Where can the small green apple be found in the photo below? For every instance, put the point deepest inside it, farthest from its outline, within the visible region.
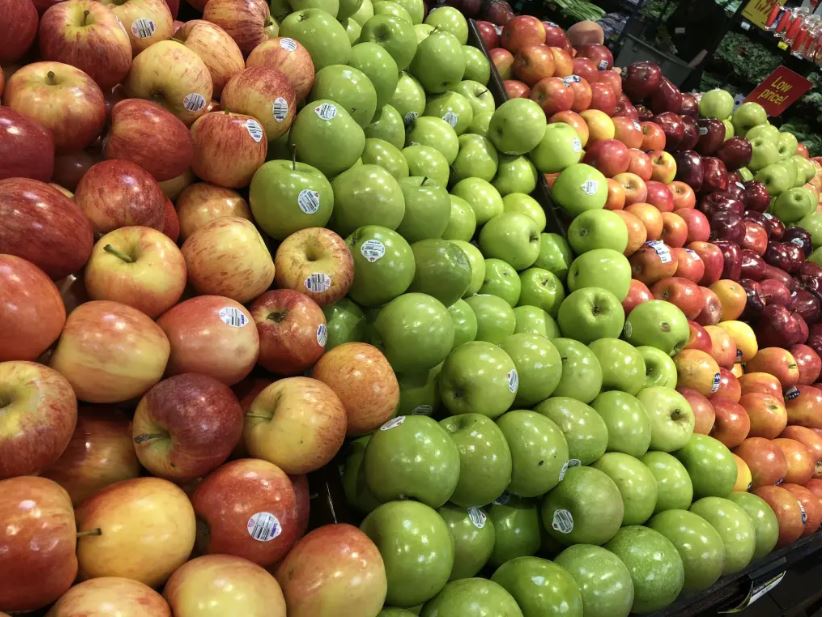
(473, 536)
(512, 237)
(395, 35)
(441, 270)
(476, 265)
(526, 205)
(787, 144)
(384, 265)
(409, 98)
(419, 392)
(815, 256)
(451, 20)
(710, 464)
(480, 122)
(434, 132)
(598, 229)
(379, 66)
(581, 375)
(638, 487)
(748, 115)
(349, 87)
(427, 209)
(366, 195)
(478, 95)
(763, 130)
(764, 152)
(542, 289)
(320, 33)
(388, 125)
(517, 126)
(590, 313)
(485, 200)
(805, 168)
(628, 424)
(674, 484)
(622, 365)
(501, 279)
(472, 597)
(793, 205)
(477, 65)
(660, 368)
(538, 364)
(533, 320)
(478, 377)
(516, 174)
(580, 187)
(461, 219)
(734, 526)
(603, 580)
(330, 6)
(657, 323)
(439, 61)
(671, 418)
(388, 7)
(422, 31)
(716, 103)
(476, 158)
(584, 430)
(453, 108)
(540, 587)
(465, 322)
(601, 267)
(517, 526)
(427, 162)
(496, 319)
(363, 14)
(326, 136)
(763, 519)
(555, 255)
(382, 153)
(345, 322)
(559, 148)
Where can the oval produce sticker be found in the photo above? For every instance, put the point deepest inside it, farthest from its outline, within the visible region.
(263, 526)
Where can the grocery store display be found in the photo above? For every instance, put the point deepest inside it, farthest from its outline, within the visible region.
(557, 343)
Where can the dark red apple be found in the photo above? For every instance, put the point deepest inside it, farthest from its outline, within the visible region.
(673, 128)
(640, 79)
(711, 134)
(715, 174)
(720, 201)
(585, 67)
(806, 304)
(727, 226)
(755, 299)
(625, 108)
(26, 147)
(732, 259)
(689, 105)
(752, 265)
(665, 97)
(689, 168)
(809, 275)
(756, 196)
(555, 36)
(778, 328)
(713, 259)
(800, 237)
(690, 138)
(808, 361)
(735, 152)
(755, 237)
(774, 226)
(784, 255)
(600, 54)
(774, 291)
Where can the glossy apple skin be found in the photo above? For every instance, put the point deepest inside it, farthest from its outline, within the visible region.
(516, 89)
(702, 408)
(26, 147)
(788, 511)
(729, 388)
(638, 294)
(216, 48)
(522, 31)
(18, 29)
(809, 363)
(665, 97)
(97, 596)
(553, 94)
(768, 415)
(246, 21)
(640, 79)
(765, 459)
(38, 563)
(777, 326)
(699, 338)
(804, 408)
(226, 151)
(800, 461)
(200, 203)
(811, 504)
(731, 423)
(675, 232)
(43, 226)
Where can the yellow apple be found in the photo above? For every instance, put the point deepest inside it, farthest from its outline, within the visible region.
(745, 341)
(600, 124)
(109, 595)
(201, 203)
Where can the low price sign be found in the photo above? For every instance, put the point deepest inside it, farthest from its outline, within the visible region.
(779, 90)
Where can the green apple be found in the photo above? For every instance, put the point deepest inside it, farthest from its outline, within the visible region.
(476, 158)
(476, 265)
(387, 7)
(279, 9)
(533, 320)
(485, 459)
(326, 136)
(516, 174)
(395, 35)
(734, 526)
(601, 267)
(353, 477)
(379, 66)
(477, 94)
(501, 279)
(434, 132)
(763, 519)
(485, 200)
(384, 265)
(598, 229)
(412, 457)
(542, 289)
(512, 237)
(654, 565)
(559, 148)
(674, 484)
(710, 464)
(353, 30)
(538, 364)
(382, 153)
(441, 270)
(657, 323)
(388, 125)
(815, 256)
(697, 542)
(581, 375)
(793, 204)
(419, 392)
(496, 319)
(345, 322)
(517, 126)
(453, 108)
(363, 14)
(639, 490)
(427, 162)
(348, 8)
(805, 169)
(526, 205)
(764, 152)
(414, 331)
(603, 580)
(427, 209)
(812, 223)
(776, 177)
(622, 365)
(762, 130)
(422, 31)
(465, 322)
(416, 547)
(451, 20)
(729, 129)
(472, 597)
(478, 377)
(578, 188)
(477, 64)
(746, 174)
(628, 423)
(590, 313)
(540, 587)
(584, 430)
(748, 115)
(569, 513)
(279, 148)
(473, 536)
(716, 103)
(480, 121)
(330, 6)
(286, 196)
(671, 418)
(320, 33)
(517, 528)
(461, 224)
(660, 368)
(787, 144)
(555, 255)
(366, 195)
(409, 98)
(439, 61)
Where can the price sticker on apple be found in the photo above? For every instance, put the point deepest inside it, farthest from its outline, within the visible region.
(451, 118)
(280, 109)
(573, 462)
(576, 145)
(662, 250)
(502, 499)
(792, 394)
(562, 521)
(143, 27)
(232, 316)
(512, 380)
(194, 101)
(589, 187)
(326, 111)
(308, 201)
(254, 129)
(477, 516)
(288, 44)
(372, 250)
(716, 383)
(263, 526)
(322, 335)
(318, 282)
(393, 423)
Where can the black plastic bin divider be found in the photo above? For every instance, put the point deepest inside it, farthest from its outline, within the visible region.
(541, 193)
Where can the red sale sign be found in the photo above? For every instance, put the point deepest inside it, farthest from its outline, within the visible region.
(779, 90)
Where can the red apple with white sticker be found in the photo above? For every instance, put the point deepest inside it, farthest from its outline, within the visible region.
(248, 22)
(264, 93)
(215, 47)
(290, 58)
(146, 21)
(228, 148)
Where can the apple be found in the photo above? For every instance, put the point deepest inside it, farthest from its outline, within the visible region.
(580, 187)
(800, 462)
(582, 91)
(267, 95)
(473, 536)
(610, 156)
(659, 324)
(604, 582)
(653, 222)
(732, 424)
(581, 375)
(559, 148)
(534, 441)
(503, 60)
(638, 293)
(811, 507)
(766, 383)
(248, 22)
(129, 597)
(28, 149)
(384, 265)
(291, 58)
(478, 377)
(537, 585)
(145, 21)
(723, 347)
(802, 406)
(636, 483)
(735, 527)
(585, 431)
(627, 421)
(228, 148)
(710, 465)
(763, 518)
(522, 31)
(366, 184)
(673, 481)
(590, 313)
(461, 595)
(219, 51)
(788, 510)
(517, 526)
(18, 39)
(532, 320)
(809, 438)
(554, 95)
(621, 364)
(495, 317)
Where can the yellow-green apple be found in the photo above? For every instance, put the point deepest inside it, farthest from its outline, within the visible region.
(364, 381)
(215, 47)
(89, 36)
(145, 21)
(172, 188)
(111, 595)
(39, 412)
(224, 585)
(99, 453)
(145, 133)
(228, 148)
(334, 570)
(117, 193)
(185, 426)
(248, 508)
(635, 189)
(248, 22)
(110, 352)
(292, 331)
(173, 75)
(27, 150)
(663, 166)
(600, 125)
(143, 529)
(32, 308)
(38, 562)
(137, 266)
(290, 58)
(265, 93)
(61, 98)
(201, 202)
(19, 31)
(317, 262)
(211, 335)
(228, 257)
(297, 423)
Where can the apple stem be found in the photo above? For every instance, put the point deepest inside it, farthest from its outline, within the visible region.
(50, 78)
(85, 17)
(277, 316)
(425, 178)
(147, 437)
(91, 532)
(110, 249)
(294, 159)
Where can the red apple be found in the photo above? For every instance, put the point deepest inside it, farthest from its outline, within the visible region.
(690, 265)
(17, 31)
(129, 598)
(765, 460)
(768, 416)
(635, 190)
(682, 195)
(575, 121)
(787, 510)
(516, 89)
(650, 217)
(611, 157)
(711, 312)
(145, 21)
(604, 98)
(628, 131)
(613, 80)
(702, 409)
(659, 195)
(698, 227)
(599, 53)
(553, 94)
(502, 59)
(171, 222)
(263, 93)
(713, 260)
(216, 48)
(723, 345)
(814, 486)
(201, 203)
(809, 363)
(775, 361)
(699, 338)
(800, 461)
(804, 407)
(533, 63)
(522, 31)
(248, 22)
(292, 331)
(665, 97)
(69, 167)
(731, 423)
(563, 62)
(582, 90)
(675, 231)
(555, 36)
(228, 148)
(641, 79)
(27, 148)
(489, 34)
(809, 438)
(654, 137)
(638, 294)
(652, 262)
(640, 164)
(810, 506)
(681, 292)
(584, 67)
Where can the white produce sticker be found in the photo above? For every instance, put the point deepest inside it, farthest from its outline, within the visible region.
(410, 117)
(322, 335)
(326, 111)
(562, 521)
(628, 329)
(393, 423)
(451, 118)
(703, 130)
(318, 282)
(254, 129)
(308, 201)
(477, 516)
(576, 145)
(280, 109)
(571, 79)
(589, 187)
(194, 101)
(143, 27)
(716, 383)
(662, 250)
(502, 499)
(263, 526)
(232, 316)
(512, 379)
(288, 44)
(602, 65)
(372, 250)
(573, 462)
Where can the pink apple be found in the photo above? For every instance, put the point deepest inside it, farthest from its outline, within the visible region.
(610, 157)
(228, 148)
(604, 97)
(146, 21)
(628, 131)
(200, 203)
(516, 89)
(638, 294)
(129, 598)
(290, 58)
(489, 34)
(264, 93)
(690, 265)
(215, 47)
(17, 30)
(659, 195)
(247, 21)
(640, 164)
(682, 195)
